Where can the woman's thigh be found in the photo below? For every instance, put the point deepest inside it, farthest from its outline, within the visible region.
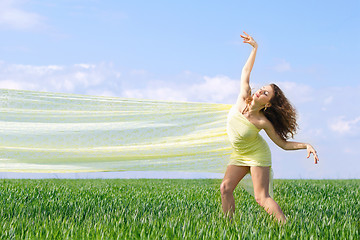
(260, 177)
(234, 174)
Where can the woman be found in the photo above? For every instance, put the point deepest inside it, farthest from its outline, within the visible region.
(266, 109)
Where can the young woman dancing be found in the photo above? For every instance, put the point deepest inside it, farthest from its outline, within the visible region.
(267, 109)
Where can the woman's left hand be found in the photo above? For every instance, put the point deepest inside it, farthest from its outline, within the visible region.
(248, 39)
(310, 150)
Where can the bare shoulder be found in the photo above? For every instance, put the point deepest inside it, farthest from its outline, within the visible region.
(264, 123)
(240, 104)
(245, 92)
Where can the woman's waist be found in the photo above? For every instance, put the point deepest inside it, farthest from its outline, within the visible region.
(248, 145)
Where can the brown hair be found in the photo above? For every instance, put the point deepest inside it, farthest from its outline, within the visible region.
(281, 113)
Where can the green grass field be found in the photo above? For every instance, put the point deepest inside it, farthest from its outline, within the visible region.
(173, 209)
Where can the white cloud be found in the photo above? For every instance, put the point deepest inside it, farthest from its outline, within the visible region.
(138, 72)
(328, 100)
(84, 65)
(13, 17)
(34, 70)
(215, 89)
(95, 92)
(297, 92)
(282, 66)
(340, 125)
(220, 89)
(10, 84)
(78, 78)
(161, 93)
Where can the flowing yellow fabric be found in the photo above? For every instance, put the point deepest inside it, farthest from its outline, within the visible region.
(56, 132)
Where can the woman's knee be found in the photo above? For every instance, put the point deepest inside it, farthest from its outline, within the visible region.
(226, 188)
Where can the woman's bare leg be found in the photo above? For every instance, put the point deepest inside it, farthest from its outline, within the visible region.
(232, 177)
(260, 178)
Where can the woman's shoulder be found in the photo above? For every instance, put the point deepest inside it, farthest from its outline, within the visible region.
(240, 106)
(241, 102)
(264, 123)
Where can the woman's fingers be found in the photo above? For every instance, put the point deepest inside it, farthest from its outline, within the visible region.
(310, 150)
(247, 35)
(316, 158)
(248, 39)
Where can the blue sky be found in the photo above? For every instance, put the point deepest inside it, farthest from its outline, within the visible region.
(192, 51)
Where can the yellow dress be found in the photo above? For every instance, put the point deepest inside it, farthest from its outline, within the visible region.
(249, 148)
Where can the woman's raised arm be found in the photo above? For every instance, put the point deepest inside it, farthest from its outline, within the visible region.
(245, 73)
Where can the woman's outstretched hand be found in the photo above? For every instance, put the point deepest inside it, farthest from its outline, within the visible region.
(248, 39)
(310, 150)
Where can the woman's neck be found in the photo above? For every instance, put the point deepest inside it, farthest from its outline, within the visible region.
(254, 109)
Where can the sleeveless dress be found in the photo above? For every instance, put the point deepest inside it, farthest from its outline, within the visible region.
(248, 147)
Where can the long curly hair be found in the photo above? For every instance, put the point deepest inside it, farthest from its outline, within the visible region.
(281, 114)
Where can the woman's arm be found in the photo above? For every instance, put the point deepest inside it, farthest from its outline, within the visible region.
(288, 145)
(298, 145)
(245, 73)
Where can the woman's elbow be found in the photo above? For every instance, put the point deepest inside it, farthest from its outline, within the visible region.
(246, 70)
(284, 145)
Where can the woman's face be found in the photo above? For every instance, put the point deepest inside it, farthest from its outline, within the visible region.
(264, 94)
